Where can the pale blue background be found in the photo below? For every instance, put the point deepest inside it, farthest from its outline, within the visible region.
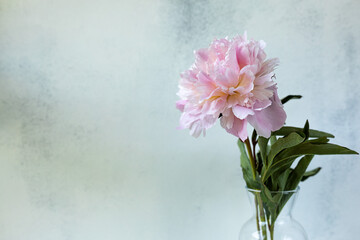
(88, 141)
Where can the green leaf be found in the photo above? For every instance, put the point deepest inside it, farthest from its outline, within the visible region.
(305, 148)
(277, 168)
(306, 130)
(289, 97)
(312, 133)
(244, 160)
(246, 167)
(311, 148)
(297, 174)
(278, 196)
(270, 201)
(263, 144)
(319, 140)
(267, 193)
(310, 173)
(290, 140)
(282, 178)
(273, 139)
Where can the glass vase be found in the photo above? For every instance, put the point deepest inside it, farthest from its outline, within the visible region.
(261, 226)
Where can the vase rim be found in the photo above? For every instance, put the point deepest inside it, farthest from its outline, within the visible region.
(285, 192)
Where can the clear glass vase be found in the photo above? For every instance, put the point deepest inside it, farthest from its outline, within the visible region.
(260, 226)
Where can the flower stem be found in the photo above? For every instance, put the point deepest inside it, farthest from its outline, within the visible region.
(262, 218)
(272, 230)
(260, 221)
(252, 160)
(257, 213)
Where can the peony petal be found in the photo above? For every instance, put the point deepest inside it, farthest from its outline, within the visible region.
(180, 104)
(202, 54)
(245, 82)
(239, 129)
(195, 129)
(232, 77)
(242, 112)
(268, 66)
(262, 94)
(231, 58)
(201, 58)
(269, 119)
(186, 119)
(208, 121)
(260, 123)
(197, 123)
(227, 119)
(264, 79)
(205, 86)
(227, 80)
(216, 106)
(242, 56)
(259, 105)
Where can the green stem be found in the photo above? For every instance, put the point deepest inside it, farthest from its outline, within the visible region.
(269, 225)
(272, 231)
(262, 218)
(252, 160)
(258, 201)
(257, 213)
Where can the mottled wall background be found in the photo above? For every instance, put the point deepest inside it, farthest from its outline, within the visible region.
(88, 145)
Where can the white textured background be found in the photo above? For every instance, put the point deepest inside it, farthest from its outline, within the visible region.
(88, 145)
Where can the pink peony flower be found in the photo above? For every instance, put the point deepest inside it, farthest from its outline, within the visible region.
(231, 79)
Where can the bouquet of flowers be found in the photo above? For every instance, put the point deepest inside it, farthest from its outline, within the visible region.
(232, 81)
